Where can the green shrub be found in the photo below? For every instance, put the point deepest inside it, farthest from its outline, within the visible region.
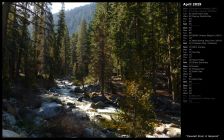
(137, 116)
(137, 113)
(89, 80)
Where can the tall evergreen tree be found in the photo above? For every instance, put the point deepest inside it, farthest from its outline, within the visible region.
(40, 48)
(82, 53)
(102, 46)
(50, 45)
(60, 47)
(74, 41)
(67, 57)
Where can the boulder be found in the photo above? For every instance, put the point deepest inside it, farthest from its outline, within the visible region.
(8, 119)
(55, 94)
(99, 104)
(71, 125)
(98, 118)
(78, 90)
(108, 133)
(67, 108)
(27, 114)
(114, 98)
(92, 88)
(86, 95)
(54, 99)
(93, 132)
(71, 105)
(10, 107)
(93, 94)
(171, 125)
(80, 99)
(49, 110)
(9, 134)
(80, 114)
(173, 132)
(98, 98)
(160, 129)
(38, 121)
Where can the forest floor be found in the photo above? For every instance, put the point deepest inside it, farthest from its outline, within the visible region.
(64, 110)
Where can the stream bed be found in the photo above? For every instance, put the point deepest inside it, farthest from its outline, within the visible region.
(80, 114)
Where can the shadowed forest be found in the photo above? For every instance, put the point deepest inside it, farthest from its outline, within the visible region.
(117, 76)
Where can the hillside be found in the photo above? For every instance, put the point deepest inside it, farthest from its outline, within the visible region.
(74, 16)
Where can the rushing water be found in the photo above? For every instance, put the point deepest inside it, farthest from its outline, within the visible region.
(67, 94)
(66, 91)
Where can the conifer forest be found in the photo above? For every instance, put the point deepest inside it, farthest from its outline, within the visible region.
(105, 70)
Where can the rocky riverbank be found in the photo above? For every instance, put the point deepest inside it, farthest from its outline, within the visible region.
(68, 111)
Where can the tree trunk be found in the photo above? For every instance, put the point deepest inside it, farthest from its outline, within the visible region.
(102, 62)
(5, 53)
(102, 72)
(13, 57)
(153, 61)
(171, 85)
(82, 83)
(5, 14)
(18, 64)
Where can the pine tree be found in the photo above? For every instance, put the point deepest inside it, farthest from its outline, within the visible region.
(13, 45)
(10, 29)
(25, 42)
(41, 35)
(60, 47)
(5, 15)
(173, 44)
(24, 56)
(131, 40)
(74, 41)
(82, 53)
(67, 68)
(62, 52)
(101, 49)
(50, 45)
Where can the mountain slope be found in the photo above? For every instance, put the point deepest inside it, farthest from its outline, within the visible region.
(74, 16)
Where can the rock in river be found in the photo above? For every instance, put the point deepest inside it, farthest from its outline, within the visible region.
(9, 134)
(96, 99)
(71, 105)
(173, 132)
(80, 99)
(38, 121)
(80, 114)
(49, 110)
(78, 90)
(8, 119)
(92, 88)
(160, 129)
(99, 104)
(91, 132)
